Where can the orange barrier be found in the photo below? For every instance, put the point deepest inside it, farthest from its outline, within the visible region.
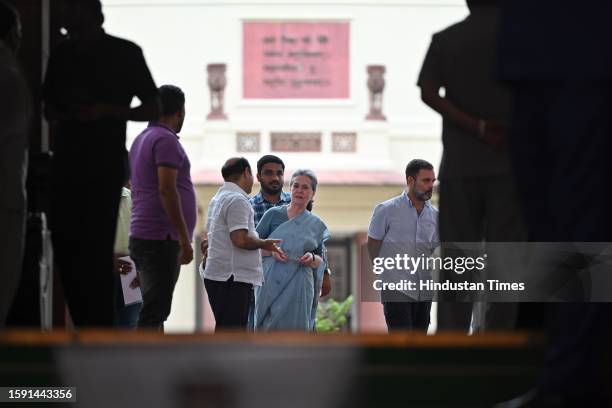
(399, 339)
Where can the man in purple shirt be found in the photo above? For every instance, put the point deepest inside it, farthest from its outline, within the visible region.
(163, 208)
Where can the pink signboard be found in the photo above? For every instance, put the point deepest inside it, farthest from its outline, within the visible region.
(283, 60)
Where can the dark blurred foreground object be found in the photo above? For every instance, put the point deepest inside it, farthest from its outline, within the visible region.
(90, 81)
(32, 305)
(556, 56)
(15, 115)
(270, 370)
(478, 199)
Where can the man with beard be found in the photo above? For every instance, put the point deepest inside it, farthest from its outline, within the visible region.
(406, 225)
(270, 172)
(163, 209)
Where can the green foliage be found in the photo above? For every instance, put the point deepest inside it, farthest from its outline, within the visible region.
(332, 315)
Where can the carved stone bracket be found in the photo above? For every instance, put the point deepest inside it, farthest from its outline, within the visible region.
(216, 85)
(376, 86)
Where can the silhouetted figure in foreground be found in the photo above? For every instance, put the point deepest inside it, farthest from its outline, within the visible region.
(90, 82)
(15, 115)
(556, 55)
(478, 201)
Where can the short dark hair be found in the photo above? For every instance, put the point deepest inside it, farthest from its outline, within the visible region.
(94, 6)
(9, 17)
(269, 158)
(172, 99)
(234, 167)
(416, 165)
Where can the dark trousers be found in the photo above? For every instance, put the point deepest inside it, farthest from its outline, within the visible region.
(230, 302)
(407, 315)
(476, 210)
(83, 220)
(158, 266)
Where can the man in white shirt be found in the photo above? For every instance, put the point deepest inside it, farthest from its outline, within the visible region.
(233, 265)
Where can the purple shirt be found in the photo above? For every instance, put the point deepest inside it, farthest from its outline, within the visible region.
(158, 146)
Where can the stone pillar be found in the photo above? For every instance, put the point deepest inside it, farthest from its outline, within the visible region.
(376, 86)
(216, 85)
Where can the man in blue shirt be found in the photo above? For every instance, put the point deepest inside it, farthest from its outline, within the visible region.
(406, 224)
(270, 172)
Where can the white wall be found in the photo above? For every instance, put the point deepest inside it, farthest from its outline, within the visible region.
(180, 38)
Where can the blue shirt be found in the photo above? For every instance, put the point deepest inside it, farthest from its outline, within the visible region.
(402, 230)
(261, 205)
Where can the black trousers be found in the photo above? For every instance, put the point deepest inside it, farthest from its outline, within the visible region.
(158, 266)
(409, 315)
(83, 219)
(476, 210)
(230, 302)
